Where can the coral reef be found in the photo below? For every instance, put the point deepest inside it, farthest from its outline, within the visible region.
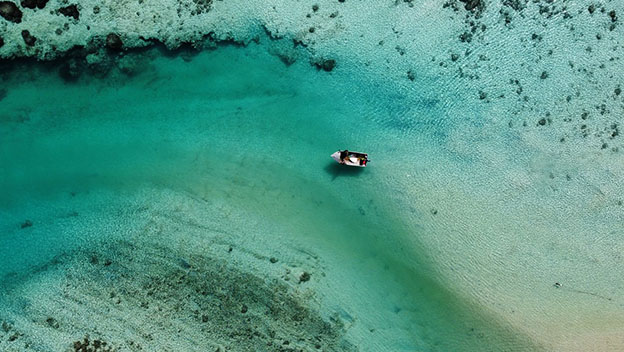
(165, 297)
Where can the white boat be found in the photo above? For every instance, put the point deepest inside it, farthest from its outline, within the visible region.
(350, 158)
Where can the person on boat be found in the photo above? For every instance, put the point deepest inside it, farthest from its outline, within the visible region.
(344, 155)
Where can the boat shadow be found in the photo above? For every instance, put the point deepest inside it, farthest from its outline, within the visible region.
(334, 169)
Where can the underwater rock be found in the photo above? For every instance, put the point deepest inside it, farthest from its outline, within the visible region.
(1, 42)
(29, 4)
(28, 38)
(70, 70)
(305, 276)
(10, 11)
(184, 264)
(329, 65)
(99, 63)
(287, 60)
(203, 6)
(114, 42)
(6, 327)
(471, 4)
(325, 64)
(70, 11)
(465, 37)
(187, 55)
(86, 345)
(514, 4)
(52, 323)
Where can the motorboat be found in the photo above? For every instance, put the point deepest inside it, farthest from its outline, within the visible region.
(350, 158)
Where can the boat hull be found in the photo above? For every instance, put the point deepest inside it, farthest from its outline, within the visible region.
(353, 159)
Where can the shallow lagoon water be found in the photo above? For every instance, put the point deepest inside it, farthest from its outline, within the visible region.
(451, 240)
(239, 134)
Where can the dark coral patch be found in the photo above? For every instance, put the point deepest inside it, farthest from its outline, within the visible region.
(10, 12)
(32, 4)
(29, 4)
(471, 4)
(71, 70)
(28, 38)
(325, 64)
(114, 42)
(70, 11)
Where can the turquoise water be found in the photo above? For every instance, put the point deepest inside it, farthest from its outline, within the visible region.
(125, 199)
(244, 134)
